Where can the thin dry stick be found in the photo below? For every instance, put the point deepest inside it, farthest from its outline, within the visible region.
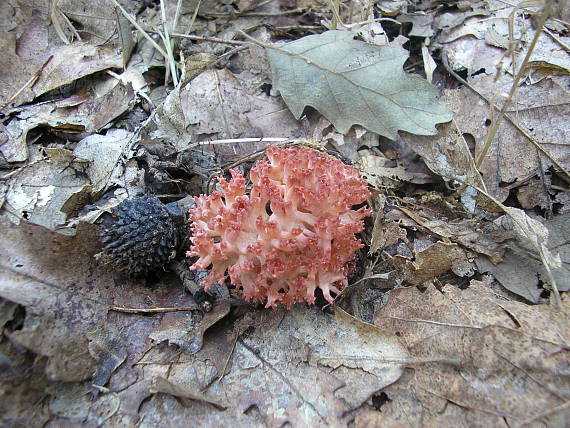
(191, 25)
(221, 101)
(239, 14)
(238, 334)
(546, 10)
(530, 11)
(335, 8)
(474, 327)
(405, 361)
(138, 27)
(208, 39)
(242, 140)
(177, 14)
(556, 39)
(129, 310)
(165, 35)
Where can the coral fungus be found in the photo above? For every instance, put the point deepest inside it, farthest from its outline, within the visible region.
(295, 232)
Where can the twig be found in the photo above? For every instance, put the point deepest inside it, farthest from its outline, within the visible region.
(244, 140)
(222, 105)
(129, 310)
(165, 36)
(223, 373)
(207, 39)
(138, 27)
(474, 327)
(375, 276)
(242, 14)
(406, 361)
(557, 40)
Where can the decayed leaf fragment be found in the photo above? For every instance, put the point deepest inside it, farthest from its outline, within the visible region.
(355, 83)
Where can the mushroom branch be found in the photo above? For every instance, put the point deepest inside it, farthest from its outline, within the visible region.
(293, 233)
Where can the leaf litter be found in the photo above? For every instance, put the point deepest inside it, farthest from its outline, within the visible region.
(458, 312)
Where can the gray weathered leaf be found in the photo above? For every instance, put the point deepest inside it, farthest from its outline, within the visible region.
(355, 83)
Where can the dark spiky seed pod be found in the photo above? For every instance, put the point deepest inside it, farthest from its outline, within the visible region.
(142, 239)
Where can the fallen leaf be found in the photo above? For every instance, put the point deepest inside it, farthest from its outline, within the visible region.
(432, 262)
(372, 419)
(346, 144)
(540, 108)
(380, 173)
(64, 65)
(302, 366)
(41, 191)
(215, 103)
(184, 330)
(79, 113)
(354, 83)
(472, 234)
(476, 355)
(535, 194)
(421, 24)
(107, 155)
(447, 154)
(107, 348)
(62, 305)
(161, 385)
(386, 234)
(524, 275)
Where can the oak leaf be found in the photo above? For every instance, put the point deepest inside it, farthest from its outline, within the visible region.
(355, 83)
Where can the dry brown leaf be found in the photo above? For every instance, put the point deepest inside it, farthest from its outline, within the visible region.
(64, 65)
(75, 114)
(535, 194)
(496, 365)
(215, 102)
(421, 24)
(523, 274)
(161, 385)
(471, 234)
(380, 176)
(182, 329)
(106, 156)
(432, 262)
(386, 234)
(108, 349)
(62, 305)
(540, 108)
(447, 154)
(43, 192)
(304, 367)
(372, 419)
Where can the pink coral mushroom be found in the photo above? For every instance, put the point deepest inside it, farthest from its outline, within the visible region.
(293, 233)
